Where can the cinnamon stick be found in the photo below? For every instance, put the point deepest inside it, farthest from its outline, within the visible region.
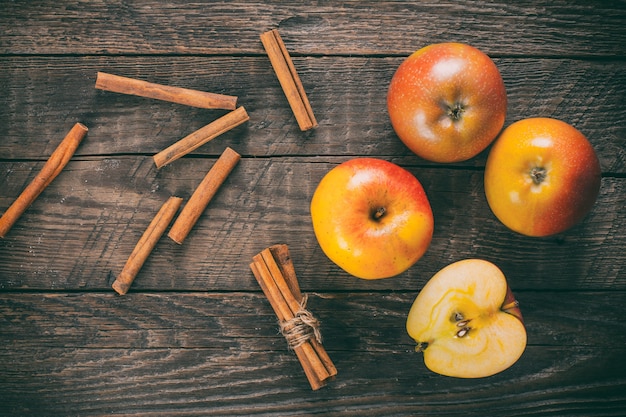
(282, 256)
(289, 80)
(203, 195)
(314, 360)
(53, 167)
(201, 136)
(146, 244)
(186, 96)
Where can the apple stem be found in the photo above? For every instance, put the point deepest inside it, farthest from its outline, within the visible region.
(510, 305)
(463, 332)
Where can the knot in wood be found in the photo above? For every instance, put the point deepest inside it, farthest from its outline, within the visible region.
(302, 327)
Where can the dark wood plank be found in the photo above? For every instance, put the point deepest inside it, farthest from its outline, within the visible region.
(210, 354)
(80, 231)
(44, 96)
(568, 381)
(573, 28)
(244, 321)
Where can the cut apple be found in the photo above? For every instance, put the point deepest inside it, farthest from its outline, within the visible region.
(466, 321)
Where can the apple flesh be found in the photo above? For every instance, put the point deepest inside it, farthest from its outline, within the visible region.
(447, 102)
(542, 177)
(372, 218)
(466, 321)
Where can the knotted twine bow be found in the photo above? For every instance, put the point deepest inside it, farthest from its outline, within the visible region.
(302, 327)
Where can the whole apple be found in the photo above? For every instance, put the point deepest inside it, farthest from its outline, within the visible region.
(447, 102)
(542, 177)
(467, 322)
(372, 218)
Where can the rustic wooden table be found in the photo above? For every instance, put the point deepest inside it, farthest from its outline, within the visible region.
(195, 335)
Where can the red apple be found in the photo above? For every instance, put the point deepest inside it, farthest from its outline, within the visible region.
(372, 218)
(542, 177)
(466, 321)
(447, 102)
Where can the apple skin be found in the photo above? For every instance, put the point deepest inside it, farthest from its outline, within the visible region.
(466, 321)
(372, 218)
(542, 177)
(447, 102)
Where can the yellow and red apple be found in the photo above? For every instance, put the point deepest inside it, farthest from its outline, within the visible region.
(447, 102)
(542, 176)
(372, 218)
(467, 322)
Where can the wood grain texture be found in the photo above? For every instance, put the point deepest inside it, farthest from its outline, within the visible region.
(195, 336)
(207, 354)
(245, 320)
(84, 226)
(183, 382)
(43, 95)
(562, 28)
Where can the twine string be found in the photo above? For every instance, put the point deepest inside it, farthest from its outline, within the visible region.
(302, 327)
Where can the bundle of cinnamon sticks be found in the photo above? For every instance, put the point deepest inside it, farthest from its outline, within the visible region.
(275, 273)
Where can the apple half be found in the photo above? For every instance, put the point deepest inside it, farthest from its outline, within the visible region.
(467, 322)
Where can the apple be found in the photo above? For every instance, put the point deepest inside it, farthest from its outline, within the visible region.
(466, 321)
(372, 218)
(447, 102)
(542, 176)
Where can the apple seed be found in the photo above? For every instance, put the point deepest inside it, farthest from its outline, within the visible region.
(464, 331)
